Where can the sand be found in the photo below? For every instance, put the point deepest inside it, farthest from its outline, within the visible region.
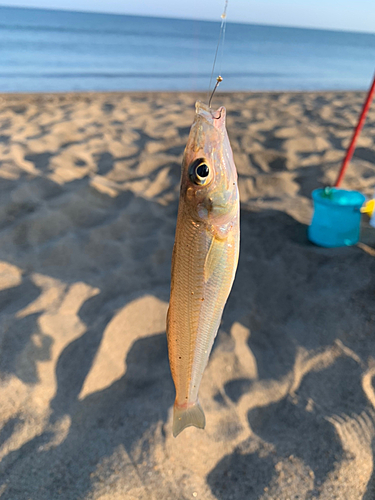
(89, 187)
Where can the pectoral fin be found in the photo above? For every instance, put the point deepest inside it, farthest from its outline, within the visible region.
(214, 255)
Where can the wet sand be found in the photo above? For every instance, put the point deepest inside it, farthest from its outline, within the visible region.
(89, 187)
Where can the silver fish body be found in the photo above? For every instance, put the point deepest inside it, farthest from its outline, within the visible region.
(204, 260)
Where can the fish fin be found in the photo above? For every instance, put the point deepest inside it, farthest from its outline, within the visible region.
(213, 257)
(186, 416)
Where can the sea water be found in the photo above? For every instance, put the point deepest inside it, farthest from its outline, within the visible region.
(46, 50)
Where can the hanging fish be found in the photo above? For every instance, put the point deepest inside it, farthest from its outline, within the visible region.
(204, 260)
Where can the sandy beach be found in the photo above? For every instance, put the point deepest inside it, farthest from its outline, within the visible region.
(89, 187)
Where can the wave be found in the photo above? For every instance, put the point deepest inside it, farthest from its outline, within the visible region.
(141, 75)
(107, 32)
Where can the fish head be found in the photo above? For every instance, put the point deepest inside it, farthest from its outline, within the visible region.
(209, 177)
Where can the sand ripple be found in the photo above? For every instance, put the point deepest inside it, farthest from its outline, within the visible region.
(88, 202)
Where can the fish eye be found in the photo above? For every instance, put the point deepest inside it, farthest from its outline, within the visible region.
(202, 170)
(199, 171)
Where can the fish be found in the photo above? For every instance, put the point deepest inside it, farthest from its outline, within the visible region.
(204, 258)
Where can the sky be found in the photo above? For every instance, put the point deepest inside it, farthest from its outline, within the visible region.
(353, 15)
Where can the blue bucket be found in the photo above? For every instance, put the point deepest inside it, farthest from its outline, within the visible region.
(337, 218)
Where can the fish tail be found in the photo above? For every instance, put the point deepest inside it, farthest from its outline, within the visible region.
(185, 416)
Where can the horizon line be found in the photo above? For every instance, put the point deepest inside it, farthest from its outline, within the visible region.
(312, 28)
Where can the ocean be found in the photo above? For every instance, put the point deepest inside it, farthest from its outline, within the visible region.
(46, 51)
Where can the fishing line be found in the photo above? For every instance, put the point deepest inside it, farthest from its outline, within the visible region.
(221, 38)
(222, 29)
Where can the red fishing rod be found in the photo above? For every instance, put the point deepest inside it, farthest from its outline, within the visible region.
(361, 121)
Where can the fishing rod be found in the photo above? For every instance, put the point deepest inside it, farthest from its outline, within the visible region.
(357, 131)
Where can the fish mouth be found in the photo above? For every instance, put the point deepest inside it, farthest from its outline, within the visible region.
(214, 118)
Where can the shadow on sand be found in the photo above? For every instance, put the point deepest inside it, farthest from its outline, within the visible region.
(278, 271)
(291, 290)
